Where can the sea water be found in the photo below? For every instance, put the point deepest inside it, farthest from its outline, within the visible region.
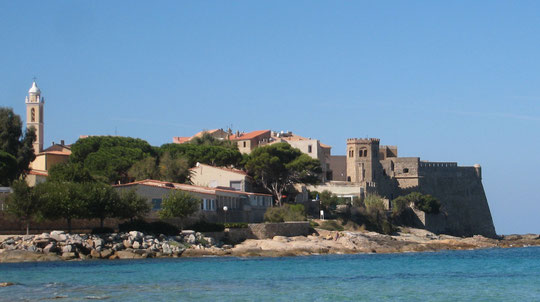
(480, 275)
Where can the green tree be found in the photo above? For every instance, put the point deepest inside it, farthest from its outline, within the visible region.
(207, 154)
(23, 203)
(426, 203)
(207, 139)
(174, 169)
(109, 158)
(328, 200)
(70, 172)
(62, 200)
(278, 166)
(13, 141)
(8, 168)
(146, 168)
(132, 205)
(179, 204)
(101, 201)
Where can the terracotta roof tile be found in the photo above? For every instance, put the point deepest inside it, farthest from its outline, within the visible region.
(249, 135)
(184, 187)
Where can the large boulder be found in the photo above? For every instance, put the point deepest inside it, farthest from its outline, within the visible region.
(58, 236)
(26, 256)
(135, 235)
(128, 255)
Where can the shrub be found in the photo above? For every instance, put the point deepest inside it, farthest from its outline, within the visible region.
(204, 226)
(399, 205)
(376, 221)
(162, 227)
(236, 225)
(428, 204)
(285, 213)
(103, 230)
(313, 224)
(331, 225)
(374, 203)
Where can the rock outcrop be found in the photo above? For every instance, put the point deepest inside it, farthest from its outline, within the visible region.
(136, 245)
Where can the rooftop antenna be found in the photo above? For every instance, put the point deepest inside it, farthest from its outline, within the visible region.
(115, 131)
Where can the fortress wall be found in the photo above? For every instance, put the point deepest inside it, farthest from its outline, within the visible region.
(462, 196)
(406, 166)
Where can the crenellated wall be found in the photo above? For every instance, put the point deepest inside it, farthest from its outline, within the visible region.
(465, 210)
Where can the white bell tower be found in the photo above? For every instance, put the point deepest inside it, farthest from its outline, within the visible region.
(34, 114)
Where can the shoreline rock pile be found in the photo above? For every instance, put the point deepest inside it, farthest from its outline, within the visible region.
(129, 245)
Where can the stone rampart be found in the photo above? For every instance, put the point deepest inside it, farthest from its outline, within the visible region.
(463, 200)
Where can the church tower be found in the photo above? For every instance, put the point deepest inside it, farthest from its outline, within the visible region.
(34, 115)
(362, 159)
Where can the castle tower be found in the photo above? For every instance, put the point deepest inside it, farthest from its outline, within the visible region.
(34, 115)
(362, 158)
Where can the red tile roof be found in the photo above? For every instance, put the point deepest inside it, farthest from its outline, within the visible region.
(183, 187)
(38, 172)
(249, 135)
(181, 139)
(185, 139)
(223, 168)
(66, 153)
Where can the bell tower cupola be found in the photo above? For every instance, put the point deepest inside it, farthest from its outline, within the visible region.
(34, 114)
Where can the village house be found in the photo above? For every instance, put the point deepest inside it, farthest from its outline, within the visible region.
(241, 206)
(312, 147)
(220, 177)
(218, 134)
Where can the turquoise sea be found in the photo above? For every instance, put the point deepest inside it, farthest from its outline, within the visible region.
(481, 275)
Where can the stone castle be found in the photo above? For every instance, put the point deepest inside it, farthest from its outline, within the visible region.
(370, 168)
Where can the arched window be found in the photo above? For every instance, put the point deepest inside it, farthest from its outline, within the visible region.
(365, 153)
(33, 114)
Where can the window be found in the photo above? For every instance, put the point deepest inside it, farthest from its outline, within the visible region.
(208, 205)
(245, 144)
(351, 153)
(365, 153)
(33, 114)
(156, 204)
(309, 148)
(406, 170)
(236, 185)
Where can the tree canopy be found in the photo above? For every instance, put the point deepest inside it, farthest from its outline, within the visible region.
(70, 172)
(179, 204)
(207, 139)
(206, 154)
(109, 158)
(24, 203)
(13, 142)
(279, 166)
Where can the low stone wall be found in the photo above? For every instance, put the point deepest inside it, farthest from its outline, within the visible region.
(287, 229)
(262, 231)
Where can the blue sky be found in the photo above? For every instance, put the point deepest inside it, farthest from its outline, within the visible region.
(454, 81)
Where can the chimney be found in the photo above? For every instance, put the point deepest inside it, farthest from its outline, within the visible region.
(62, 142)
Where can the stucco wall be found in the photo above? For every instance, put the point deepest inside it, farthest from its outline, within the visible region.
(208, 176)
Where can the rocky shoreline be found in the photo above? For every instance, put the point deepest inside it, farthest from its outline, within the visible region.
(58, 245)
